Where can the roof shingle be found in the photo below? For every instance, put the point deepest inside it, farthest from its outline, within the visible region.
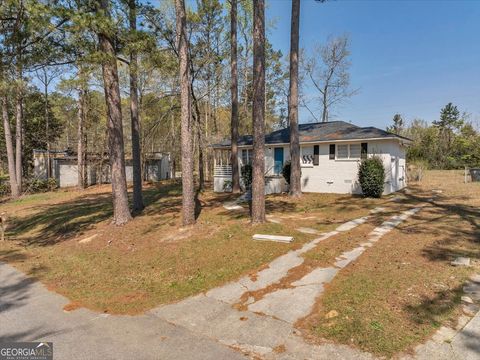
(323, 131)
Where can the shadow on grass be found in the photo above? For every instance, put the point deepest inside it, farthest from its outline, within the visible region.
(457, 225)
(433, 311)
(57, 222)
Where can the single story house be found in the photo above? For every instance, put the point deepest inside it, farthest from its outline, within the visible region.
(97, 169)
(330, 153)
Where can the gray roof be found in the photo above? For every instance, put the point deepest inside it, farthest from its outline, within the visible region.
(323, 131)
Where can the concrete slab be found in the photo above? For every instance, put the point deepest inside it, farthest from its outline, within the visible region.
(232, 205)
(217, 320)
(353, 254)
(342, 263)
(275, 238)
(276, 270)
(229, 293)
(377, 210)
(352, 224)
(461, 261)
(307, 230)
(317, 276)
(466, 343)
(279, 303)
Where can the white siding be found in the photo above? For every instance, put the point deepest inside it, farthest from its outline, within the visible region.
(341, 176)
(336, 176)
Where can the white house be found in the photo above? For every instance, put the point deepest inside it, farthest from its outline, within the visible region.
(330, 153)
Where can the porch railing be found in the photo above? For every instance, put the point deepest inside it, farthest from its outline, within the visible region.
(222, 171)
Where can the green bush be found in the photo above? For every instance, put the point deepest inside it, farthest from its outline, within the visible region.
(371, 175)
(287, 169)
(38, 185)
(227, 185)
(4, 188)
(246, 171)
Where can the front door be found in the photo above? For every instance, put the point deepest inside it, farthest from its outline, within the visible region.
(278, 161)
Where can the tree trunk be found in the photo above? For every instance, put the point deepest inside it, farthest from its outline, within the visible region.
(258, 114)
(325, 106)
(295, 172)
(80, 142)
(136, 156)
(234, 94)
(47, 125)
(121, 212)
(198, 121)
(188, 195)
(10, 150)
(19, 127)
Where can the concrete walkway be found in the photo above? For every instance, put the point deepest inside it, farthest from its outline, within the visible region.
(206, 326)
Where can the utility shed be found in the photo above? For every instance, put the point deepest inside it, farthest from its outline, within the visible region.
(64, 169)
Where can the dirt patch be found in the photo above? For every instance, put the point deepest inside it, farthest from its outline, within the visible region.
(71, 306)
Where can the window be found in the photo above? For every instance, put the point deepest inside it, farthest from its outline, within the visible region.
(247, 156)
(355, 150)
(342, 151)
(316, 155)
(364, 154)
(331, 155)
(306, 156)
(350, 151)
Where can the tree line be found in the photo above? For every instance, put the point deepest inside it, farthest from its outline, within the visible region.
(450, 142)
(117, 77)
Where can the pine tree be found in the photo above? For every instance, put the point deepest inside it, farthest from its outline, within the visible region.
(136, 156)
(258, 113)
(234, 96)
(295, 172)
(121, 211)
(397, 126)
(449, 121)
(188, 194)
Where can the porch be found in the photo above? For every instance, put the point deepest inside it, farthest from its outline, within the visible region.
(222, 174)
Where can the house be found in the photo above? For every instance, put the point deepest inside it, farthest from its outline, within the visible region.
(64, 169)
(330, 153)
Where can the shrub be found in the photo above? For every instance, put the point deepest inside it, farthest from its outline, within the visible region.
(227, 185)
(416, 169)
(38, 185)
(4, 188)
(371, 175)
(287, 168)
(246, 171)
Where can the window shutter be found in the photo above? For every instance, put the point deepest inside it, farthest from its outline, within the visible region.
(316, 155)
(364, 150)
(332, 152)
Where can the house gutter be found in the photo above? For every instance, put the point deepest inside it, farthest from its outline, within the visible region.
(402, 141)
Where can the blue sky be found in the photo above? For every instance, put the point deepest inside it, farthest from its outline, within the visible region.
(410, 57)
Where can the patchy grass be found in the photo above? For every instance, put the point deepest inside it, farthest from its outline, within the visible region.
(403, 288)
(152, 260)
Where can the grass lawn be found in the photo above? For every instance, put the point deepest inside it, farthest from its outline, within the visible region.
(152, 260)
(404, 288)
(391, 298)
